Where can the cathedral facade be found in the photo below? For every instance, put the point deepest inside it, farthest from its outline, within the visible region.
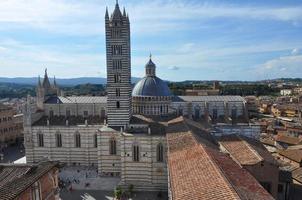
(122, 134)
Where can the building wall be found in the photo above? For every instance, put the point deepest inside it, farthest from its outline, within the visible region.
(10, 127)
(75, 109)
(147, 174)
(70, 154)
(251, 130)
(266, 173)
(109, 165)
(48, 187)
(206, 108)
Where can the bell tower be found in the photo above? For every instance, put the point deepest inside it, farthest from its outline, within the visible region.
(118, 55)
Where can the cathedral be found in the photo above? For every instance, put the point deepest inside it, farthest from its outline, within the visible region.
(122, 134)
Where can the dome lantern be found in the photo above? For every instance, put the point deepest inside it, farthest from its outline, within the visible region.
(150, 67)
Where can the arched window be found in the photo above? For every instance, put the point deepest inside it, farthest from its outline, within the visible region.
(234, 112)
(215, 113)
(160, 153)
(197, 112)
(77, 138)
(112, 146)
(40, 139)
(118, 104)
(58, 139)
(95, 140)
(135, 153)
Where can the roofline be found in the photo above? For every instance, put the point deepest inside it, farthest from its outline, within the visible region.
(55, 164)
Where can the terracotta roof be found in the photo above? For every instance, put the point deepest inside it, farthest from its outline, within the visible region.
(292, 154)
(297, 175)
(243, 182)
(198, 171)
(245, 150)
(288, 140)
(240, 150)
(18, 177)
(267, 141)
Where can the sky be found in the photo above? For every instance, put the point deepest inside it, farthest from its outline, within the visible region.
(188, 39)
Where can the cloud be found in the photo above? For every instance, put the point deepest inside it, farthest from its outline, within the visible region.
(295, 51)
(174, 68)
(285, 66)
(33, 59)
(87, 17)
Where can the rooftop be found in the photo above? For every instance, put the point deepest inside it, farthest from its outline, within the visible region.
(199, 171)
(208, 98)
(297, 175)
(245, 150)
(17, 178)
(288, 139)
(77, 99)
(292, 154)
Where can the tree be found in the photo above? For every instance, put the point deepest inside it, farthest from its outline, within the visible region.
(118, 192)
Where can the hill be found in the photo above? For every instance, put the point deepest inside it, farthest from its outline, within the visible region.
(62, 82)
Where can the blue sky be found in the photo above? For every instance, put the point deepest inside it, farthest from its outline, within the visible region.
(189, 39)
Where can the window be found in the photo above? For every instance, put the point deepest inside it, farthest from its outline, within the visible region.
(118, 104)
(160, 153)
(36, 191)
(180, 111)
(85, 113)
(234, 113)
(112, 147)
(102, 112)
(58, 140)
(77, 140)
(40, 140)
(67, 113)
(214, 113)
(51, 113)
(197, 112)
(118, 92)
(117, 64)
(116, 49)
(115, 33)
(95, 140)
(136, 153)
(117, 78)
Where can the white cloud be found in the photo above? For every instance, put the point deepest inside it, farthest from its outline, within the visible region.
(29, 60)
(295, 51)
(285, 66)
(86, 17)
(174, 68)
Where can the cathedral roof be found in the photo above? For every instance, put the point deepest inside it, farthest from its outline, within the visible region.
(151, 86)
(46, 83)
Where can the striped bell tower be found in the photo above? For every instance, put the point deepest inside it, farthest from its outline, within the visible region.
(118, 54)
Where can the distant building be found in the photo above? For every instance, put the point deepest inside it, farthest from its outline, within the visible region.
(45, 90)
(28, 182)
(200, 92)
(11, 125)
(286, 92)
(216, 85)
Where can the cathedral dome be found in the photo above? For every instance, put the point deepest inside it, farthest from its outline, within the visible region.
(151, 86)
